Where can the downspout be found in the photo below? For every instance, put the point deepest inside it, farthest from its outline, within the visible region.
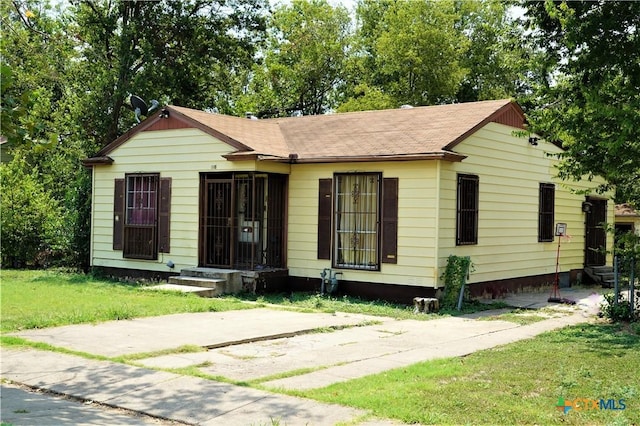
(436, 250)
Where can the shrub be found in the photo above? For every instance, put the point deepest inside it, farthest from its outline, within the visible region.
(31, 220)
(620, 311)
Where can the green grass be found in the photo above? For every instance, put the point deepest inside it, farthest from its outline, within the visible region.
(39, 299)
(310, 302)
(518, 383)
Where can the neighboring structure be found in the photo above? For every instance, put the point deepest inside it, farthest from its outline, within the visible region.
(627, 219)
(382, 197)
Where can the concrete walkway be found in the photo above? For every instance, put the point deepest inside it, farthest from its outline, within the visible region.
(248, 345)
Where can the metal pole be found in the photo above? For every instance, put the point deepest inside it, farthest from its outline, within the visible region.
(632, 287)
(615, 280)
(464, 281)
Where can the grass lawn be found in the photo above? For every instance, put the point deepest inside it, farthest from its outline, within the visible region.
(39, 299)
(518, 383)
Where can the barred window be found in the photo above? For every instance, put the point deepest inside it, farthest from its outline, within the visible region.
(357, 221)
(140, 230)
(467, 210)
(546, 209)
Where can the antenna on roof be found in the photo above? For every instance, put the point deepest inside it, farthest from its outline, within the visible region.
(140, 106)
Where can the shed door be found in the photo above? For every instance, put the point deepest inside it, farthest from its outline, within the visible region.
(596, 234)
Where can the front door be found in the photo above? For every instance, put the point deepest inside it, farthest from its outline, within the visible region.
(595, 233)
(216, 223)
(242, 220)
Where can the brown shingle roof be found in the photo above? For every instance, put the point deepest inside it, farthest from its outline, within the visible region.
(397, 132)
(626, 210)
(421, 132)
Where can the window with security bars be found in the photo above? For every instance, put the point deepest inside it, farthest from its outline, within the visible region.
(467, 210)
(546, 209)
(357, 221)
(141, 211)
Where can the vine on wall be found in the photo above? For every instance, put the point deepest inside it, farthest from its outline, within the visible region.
(455, 274)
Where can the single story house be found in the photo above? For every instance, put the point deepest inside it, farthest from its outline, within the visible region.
(380, 197)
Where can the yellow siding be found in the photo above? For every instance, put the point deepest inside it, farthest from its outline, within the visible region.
(417, 203)
(180, 154)
(510, 171)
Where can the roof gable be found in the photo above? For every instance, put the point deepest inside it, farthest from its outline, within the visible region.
(421, 132)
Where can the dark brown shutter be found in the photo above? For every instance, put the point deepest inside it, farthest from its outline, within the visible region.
(118, 214)
(164, 221)
(390, 220)
(324, 218)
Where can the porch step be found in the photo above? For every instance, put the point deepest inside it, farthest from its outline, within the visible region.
(200, 291)
(227, 281)
(213, 283)
(601, 269)
(602, 275)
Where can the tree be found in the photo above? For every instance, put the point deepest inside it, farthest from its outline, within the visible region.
(304, 60)
(31, 228)
(188, 52)
(418, 52)
(587, 95)
(67, 74)
(496, 59)
(423, 53)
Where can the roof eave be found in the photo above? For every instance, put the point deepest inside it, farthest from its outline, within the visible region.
(510, 105)
(446, 156)
(154, 118)
(97, 161)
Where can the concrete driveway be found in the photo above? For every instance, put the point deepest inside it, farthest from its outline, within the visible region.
(313, 349)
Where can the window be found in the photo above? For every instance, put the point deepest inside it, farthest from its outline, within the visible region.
(141, 215)
(467, 210)
(142, 199)
(546, 207)
(357, 221)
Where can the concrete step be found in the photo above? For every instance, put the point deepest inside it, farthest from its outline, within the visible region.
(200, 291)
(232, 277)
(608, 284)
(601, 269)
(606, 276)
(214, 283)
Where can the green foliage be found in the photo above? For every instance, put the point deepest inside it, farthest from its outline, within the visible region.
(32, 229)
(586, 93)
(423, 53)
(618, 310)
(454, 276)
(304, 61)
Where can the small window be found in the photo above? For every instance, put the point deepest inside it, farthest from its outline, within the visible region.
(546, 209)
(357, 221)
(467, 210)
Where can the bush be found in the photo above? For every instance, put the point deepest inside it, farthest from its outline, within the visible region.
(31, 220)
(620, 311)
